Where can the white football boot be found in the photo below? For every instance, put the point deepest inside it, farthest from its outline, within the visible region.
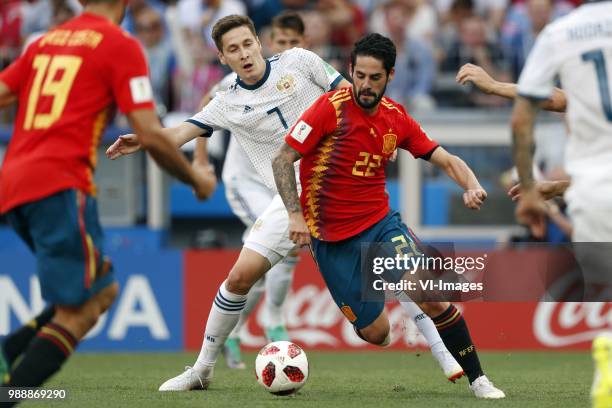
(483, 388)
(188, 380)
(451, 368)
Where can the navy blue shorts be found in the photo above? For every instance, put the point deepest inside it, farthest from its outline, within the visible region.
(340, 265)
(64, 233)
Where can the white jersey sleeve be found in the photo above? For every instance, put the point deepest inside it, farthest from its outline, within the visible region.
(315, 68)
(537, 80)
(210, 118)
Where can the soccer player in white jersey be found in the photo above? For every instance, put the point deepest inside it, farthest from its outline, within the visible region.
(248, 197)
(578, 49)
(266, 99)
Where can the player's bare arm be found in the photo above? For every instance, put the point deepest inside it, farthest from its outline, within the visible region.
(284, 176)
(152, 138)
(474, 195)
(531, 208)
(6, 96)
(470, 73)
(548, 189)
(130, 143)
(200, 154)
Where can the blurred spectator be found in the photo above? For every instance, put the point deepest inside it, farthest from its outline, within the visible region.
(134, 6)
(492, 11)
(193, 85)
(150, 30)
(414, 67)
(523, 24)
(421, 20)
(197, 17)
(262, 11)
(345, 19)
(318, 34)
(38, 15)
(61, 11)
(472, 46)
(10, 31)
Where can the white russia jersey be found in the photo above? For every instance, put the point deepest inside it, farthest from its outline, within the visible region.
(260, 115)
(237, 164)
(578, 47)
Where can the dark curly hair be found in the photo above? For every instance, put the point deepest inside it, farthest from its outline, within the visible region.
(376, 46)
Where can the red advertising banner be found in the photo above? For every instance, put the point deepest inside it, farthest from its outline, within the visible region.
(314, 321)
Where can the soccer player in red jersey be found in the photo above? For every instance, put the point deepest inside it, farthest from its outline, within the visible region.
(67, 83)
(344, 141)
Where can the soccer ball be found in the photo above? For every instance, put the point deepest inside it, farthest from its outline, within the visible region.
(281, 367)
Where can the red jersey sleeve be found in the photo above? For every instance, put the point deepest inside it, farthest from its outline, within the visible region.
(130, 76)
(14, 75)
(314, 124)
(414, 138)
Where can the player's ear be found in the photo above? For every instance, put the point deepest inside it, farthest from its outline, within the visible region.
(391, 74)
(221, 57)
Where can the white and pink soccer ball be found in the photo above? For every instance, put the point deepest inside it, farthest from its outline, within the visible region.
(281, 367)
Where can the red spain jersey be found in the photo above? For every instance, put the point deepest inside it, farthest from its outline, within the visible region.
(344, 152)
(67, 84)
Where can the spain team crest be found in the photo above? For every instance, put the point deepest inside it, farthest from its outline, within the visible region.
(389, 143)
(286, 84)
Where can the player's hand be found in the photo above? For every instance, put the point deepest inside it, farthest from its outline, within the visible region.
(531, 211)
(548, 189)
(298, 230)
(474, 198)
(477, 76)
(124, 145)
(206, 180)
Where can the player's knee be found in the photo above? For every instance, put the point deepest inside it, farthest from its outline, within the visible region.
(107, 297)
(379, 337)
(238, 282)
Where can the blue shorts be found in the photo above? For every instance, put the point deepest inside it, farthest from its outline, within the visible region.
(63, 232)
(340, 265)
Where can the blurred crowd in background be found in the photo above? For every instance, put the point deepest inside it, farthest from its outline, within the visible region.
(434, 39)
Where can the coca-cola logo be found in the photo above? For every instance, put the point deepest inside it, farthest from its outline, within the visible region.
(557, 324)
(314, 320)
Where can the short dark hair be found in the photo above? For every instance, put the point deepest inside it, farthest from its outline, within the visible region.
(289, 20)
(376, 46)
(228, 23)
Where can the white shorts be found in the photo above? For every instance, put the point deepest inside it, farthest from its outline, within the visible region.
(269, 236)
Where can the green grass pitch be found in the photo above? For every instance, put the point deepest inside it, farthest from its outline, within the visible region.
(342, 379)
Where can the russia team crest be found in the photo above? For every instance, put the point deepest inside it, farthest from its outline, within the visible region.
(286, 84)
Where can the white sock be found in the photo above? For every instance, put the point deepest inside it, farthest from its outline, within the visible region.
(252, 300)
(224, 315)
(278, 283)
(425, 325)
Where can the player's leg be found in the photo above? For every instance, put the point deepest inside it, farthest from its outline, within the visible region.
(248, 198)
(278, 283)
(340, 266)
(456, 336)
(74, 276)
(268, 242)
(451, 368)
(16, 342)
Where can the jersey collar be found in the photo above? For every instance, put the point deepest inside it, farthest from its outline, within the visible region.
(258, 83)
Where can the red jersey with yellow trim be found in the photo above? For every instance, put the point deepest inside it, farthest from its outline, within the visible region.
(67, 83)
(344, 152)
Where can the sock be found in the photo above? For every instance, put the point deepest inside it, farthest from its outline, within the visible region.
(252, 300)
(17, 342)
(278, 283)
(456, 336)
(425, 326)
(45, 354)
(224, 315)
